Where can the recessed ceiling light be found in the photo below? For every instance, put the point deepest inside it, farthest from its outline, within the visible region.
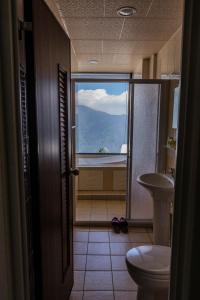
(126, 11)
(93, 61)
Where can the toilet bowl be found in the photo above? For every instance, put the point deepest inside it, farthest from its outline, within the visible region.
(149, 267)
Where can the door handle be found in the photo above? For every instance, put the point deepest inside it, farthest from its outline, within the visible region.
(74, 171)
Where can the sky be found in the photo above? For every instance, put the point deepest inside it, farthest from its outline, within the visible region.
(107, 97)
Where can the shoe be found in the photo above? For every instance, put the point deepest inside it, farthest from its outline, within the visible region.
(123, 225)
(116, 225)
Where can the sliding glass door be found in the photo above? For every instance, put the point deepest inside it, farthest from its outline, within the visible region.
(147, 136)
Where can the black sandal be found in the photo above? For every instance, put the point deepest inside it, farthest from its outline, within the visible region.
(123, 225)
(116, 225)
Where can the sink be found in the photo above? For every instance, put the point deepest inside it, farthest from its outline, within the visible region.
(156, 182)
(161, 188)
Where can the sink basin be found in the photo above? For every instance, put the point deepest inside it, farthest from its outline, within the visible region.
(161, 188)
(156, 182)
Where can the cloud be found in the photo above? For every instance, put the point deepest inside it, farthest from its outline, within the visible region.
(100, 100)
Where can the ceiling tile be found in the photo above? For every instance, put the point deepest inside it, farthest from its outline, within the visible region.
(111, 7)
(166, 9)
(149, 29)
(125, 59)
(132, 47)
(94, 28)
(102, 59)
(87, 46)
(106, 68)
(82, 8)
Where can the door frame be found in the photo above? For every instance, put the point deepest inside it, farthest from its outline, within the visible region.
(185, 262)
(14, 282)
(73, 90)
(130, 125)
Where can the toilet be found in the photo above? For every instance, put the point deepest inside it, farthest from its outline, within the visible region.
(149, 267)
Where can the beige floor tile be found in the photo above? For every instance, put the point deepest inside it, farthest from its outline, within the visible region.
(98, 237)
(78, 280)
(98, 280)
(80, 247)
(119, 237)
(81, 236)
(119, 295)
(121, 248)
(139, 237)
(76, 295)
(123, 282)
(79, 262)
(81, 228)
(99, 248)
(98, 262)
(100, 228)
(98, 295)
(118, 262)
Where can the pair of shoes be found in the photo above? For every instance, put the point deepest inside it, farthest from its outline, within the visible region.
(119, 225)
(116, 225)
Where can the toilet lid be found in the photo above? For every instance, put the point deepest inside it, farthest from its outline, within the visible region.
(152, 259)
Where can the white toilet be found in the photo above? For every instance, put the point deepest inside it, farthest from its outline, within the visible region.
(149, 267)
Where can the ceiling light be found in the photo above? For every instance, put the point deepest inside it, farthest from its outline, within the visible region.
(93, 61)
(126, 11)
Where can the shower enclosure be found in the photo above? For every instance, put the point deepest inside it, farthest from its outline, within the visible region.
(148, 122)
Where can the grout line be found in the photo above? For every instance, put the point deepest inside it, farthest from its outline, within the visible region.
(111, 267)
(150, 6)
(120, 35)
(85, 267)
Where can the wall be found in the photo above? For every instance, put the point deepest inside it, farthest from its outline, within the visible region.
(169, 57)
(169, 64)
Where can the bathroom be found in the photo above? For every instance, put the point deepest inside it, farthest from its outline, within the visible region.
(98, 149)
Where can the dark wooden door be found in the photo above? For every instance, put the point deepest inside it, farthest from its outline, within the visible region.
(51, 69)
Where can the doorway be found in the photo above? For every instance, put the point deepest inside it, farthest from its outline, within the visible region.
(101, 114)
(114, 121)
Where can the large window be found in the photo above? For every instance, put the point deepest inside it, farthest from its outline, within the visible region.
(101, 117)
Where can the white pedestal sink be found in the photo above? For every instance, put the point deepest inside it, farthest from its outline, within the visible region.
(161, 188)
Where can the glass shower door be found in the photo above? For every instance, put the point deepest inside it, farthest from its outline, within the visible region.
(144, 144)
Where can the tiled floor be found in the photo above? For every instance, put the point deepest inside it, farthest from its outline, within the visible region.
(99, 263)
(99, 210)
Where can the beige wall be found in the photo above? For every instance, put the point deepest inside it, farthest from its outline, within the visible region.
(171, 153)
(169, 57)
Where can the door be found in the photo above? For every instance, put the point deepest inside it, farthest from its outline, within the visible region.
(51, 71)
(147, 139)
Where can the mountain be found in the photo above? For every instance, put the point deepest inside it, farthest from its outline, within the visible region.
(97, 130)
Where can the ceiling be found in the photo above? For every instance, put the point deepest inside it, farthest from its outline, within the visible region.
(118, 43)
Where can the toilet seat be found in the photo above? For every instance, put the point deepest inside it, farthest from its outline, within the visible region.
(149, 266)
(151, 259)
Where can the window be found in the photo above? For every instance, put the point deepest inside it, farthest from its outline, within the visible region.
(101, 117)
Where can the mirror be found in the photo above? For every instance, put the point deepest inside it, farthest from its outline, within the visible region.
(176, 107)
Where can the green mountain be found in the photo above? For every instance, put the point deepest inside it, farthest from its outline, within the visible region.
(98, 130)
